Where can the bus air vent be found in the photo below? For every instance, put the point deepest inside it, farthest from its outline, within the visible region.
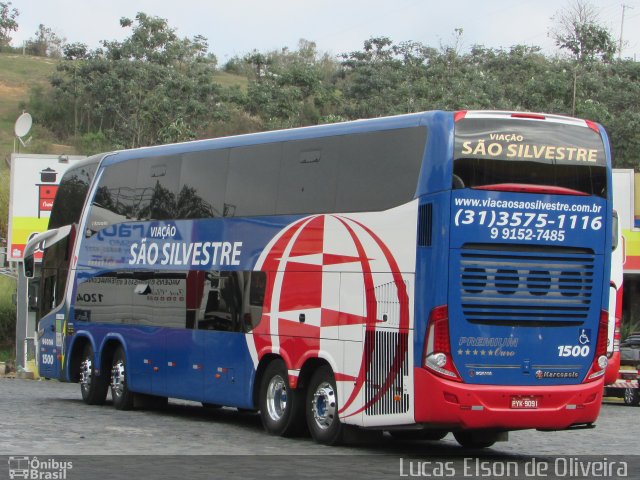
(425, 215)
(524, 285)
(387, 355)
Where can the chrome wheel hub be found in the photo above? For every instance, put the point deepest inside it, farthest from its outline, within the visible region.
(276, 398)
(117, 378)
(323, 405)
(85, 373)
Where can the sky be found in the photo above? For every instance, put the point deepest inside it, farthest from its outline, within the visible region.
(236, 27)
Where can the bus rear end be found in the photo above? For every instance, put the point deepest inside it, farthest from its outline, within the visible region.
(521, 341)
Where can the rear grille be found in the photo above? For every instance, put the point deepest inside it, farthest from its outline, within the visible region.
(525, 285)
(384, 386)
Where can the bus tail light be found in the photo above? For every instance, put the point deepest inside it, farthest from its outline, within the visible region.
(437, 347)
(600, 359)
(459, 115)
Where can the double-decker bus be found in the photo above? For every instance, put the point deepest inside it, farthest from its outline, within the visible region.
(419, 274)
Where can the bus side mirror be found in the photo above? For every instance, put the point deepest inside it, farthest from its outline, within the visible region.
(28, 266)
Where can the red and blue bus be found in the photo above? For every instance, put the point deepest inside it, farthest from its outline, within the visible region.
(420, 274)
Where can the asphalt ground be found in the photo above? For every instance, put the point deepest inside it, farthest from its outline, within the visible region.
(47, 420)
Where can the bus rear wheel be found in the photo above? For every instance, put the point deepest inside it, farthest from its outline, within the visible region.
(122, 396)
(92, 387)
(476, 438)
(281, 407)
(322, 408)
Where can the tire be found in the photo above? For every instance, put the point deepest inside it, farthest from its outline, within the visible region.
(632, 396)
(433, 435)
(476, 438)
(281, 407)
(322, 408)
(120, 393)
(92, 387)
(246, 411)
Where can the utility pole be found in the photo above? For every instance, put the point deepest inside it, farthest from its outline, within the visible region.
(624, 7)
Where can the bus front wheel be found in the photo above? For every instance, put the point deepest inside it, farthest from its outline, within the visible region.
(93, 387)
(322, 408)
(281, 407)
(122, 396)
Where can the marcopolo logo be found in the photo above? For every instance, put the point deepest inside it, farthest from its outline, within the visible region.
(37, 469)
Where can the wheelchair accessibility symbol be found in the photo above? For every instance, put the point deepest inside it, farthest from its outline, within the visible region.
(585, 336)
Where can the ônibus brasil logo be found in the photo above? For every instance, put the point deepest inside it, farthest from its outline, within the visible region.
(33, 468)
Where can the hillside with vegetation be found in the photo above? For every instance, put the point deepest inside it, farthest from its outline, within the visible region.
(18, 74)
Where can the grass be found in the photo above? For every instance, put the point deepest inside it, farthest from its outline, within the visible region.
(17, 74)
(7, 354)
(231, 80)
(7, 289)
(7, 316)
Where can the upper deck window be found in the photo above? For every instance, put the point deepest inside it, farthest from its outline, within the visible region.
(490, 151)
(359, 172)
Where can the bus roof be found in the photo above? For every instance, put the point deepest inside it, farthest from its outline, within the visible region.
(317, 131)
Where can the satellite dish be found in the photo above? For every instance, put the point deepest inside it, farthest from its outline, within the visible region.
(23, 124)
(22, 127)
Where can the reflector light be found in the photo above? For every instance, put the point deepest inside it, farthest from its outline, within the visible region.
(528, 188)
(593, 126)
(531, 116)
(459, 115)
(450, 397)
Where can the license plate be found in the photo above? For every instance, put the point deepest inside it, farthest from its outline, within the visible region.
(524, 403)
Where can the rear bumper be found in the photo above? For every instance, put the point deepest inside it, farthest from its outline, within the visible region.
(462, 406)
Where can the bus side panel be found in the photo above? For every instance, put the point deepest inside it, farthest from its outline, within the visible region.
(226, 366)
(431, 264)
(50, 345)
(346, 277)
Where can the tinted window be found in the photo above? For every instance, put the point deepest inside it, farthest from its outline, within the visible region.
(498, 151)
(157, 188)
(379, 170)
(203, 184)
(55, 267)
(231, 301)
(309, 176)
(116, 199)
(140, 298)
(71, 195)
(252, 185)
(346, 173)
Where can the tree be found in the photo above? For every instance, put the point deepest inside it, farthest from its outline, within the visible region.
(578, 31)
(153, 87)
(8, 23)
(290, 88)
(46, 43)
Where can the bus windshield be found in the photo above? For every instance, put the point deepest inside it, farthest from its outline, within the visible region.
(71, 194)
(494, 153)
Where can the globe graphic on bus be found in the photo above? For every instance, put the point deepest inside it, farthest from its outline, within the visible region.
(331, 279)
